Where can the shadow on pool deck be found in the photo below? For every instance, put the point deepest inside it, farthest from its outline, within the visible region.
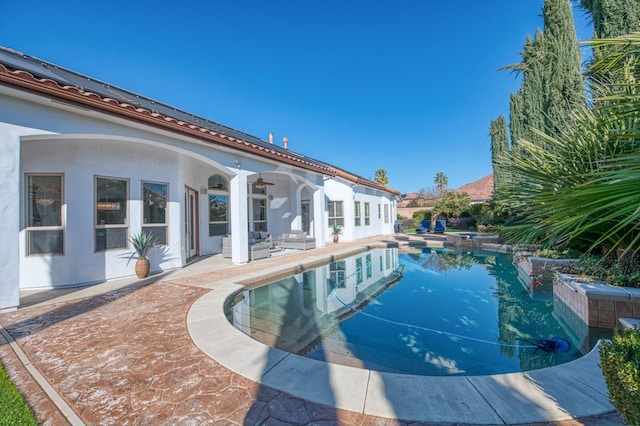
(120, 352)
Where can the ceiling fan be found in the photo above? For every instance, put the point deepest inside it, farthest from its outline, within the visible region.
(261, 183)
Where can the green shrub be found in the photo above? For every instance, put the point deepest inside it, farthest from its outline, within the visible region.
(620, 360)
(419, 216)
(597, 268)
(14, 409)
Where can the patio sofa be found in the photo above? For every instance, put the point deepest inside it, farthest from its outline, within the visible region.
(298, 240)
(259, 245)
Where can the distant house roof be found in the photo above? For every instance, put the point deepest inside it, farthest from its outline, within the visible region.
(27, 72)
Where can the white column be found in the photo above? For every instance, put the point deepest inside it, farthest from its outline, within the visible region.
(319, 218)
(10, 214)
(294, 195)
(238, 213)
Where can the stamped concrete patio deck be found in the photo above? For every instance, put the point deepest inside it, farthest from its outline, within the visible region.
(133, 352)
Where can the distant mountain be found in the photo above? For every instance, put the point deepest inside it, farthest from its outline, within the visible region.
(480, 190)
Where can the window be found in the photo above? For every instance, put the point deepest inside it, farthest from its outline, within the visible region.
(111, 227)
(386, 213)
(379, 214)
(369, 266)
(154, 210)
(336, 214)
(258, 196)
(337, 275)
(358, 213)
(359, 270)
(218, 192)
(260, 214)
(367, 214)
(45, 234)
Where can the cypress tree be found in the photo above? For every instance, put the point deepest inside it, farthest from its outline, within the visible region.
(499, 148)
(534, 103)
(564, 88)
(612, 18)
(517, 119)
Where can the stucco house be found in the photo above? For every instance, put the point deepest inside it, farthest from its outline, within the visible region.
(85, 165)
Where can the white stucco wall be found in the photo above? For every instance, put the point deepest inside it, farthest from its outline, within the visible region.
(340, 190)
(10, 184)
(38, 135)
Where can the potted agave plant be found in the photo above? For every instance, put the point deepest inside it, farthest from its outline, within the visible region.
(142, 243)
(336, 230)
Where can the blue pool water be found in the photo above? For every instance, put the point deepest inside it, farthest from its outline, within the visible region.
(420, 311)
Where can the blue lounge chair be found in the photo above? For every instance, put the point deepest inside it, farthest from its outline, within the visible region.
(425, 226)
(441, 226)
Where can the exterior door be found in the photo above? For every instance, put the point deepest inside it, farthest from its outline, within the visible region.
(305, 213)
(191, 222)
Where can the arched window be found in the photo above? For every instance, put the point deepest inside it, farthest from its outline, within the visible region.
(218, 192)
(218, 183)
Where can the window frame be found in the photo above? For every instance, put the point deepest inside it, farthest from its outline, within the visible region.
(31, 229)
(220, 190)
(337, 275)
(156, 225)
(357, 208)
(125, 225)
(333, 218)
(259, 199)
(367, 214)
(386, 213)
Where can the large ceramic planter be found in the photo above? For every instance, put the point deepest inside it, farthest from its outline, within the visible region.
(142, 268)
(336, 238)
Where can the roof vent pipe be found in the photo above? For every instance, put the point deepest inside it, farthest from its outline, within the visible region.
(271, 138)
(285, 142)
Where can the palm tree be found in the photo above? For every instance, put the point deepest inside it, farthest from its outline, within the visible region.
(441, 182)
(582, 189)
(381, 176)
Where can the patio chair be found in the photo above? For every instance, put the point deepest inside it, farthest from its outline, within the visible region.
(441, 226)
(425, 226)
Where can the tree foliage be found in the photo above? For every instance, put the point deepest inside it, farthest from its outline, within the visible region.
(581, 189)
(499, 147)
(453, 204)
(441, 181)
(381, 176)
(552, 80)
(611, 18)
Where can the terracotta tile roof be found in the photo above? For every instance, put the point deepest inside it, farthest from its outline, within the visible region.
(26, 72)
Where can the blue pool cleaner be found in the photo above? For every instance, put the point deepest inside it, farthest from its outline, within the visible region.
(554, 344)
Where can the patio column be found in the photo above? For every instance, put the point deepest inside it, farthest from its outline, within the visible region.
(238, 212)
(10, 223)
(319, 219)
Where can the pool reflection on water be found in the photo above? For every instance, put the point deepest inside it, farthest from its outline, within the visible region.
(414, 311)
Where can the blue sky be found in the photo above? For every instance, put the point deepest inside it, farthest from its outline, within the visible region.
(407, 86)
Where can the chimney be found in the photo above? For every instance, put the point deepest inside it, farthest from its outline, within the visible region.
(271, 137)
(285, 142)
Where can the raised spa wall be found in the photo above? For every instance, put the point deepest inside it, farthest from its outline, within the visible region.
(597, 304)
(594, 303)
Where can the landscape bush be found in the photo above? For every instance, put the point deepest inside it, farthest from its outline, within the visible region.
(620, 360)
(13, 408)
(461, 223)
(419, 216)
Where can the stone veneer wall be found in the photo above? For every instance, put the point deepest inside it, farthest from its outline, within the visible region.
(597, 304)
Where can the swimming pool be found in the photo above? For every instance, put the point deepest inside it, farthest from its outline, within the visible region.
(413, 311)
